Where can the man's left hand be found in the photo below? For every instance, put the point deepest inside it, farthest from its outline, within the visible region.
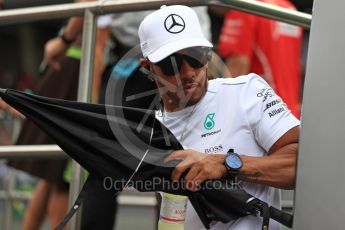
(4, 106)
(201, 167)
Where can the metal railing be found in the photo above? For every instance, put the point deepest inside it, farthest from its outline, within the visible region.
(104, 7)
(26, 152)
(90, 10)
(269, 11)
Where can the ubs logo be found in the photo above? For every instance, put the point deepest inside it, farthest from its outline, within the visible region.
(174, 24)
(265, 93)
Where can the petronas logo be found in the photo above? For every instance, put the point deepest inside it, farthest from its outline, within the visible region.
(209, 122)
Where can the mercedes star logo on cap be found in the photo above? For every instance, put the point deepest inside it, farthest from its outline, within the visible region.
(174, 24)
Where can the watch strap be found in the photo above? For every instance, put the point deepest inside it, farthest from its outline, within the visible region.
(62, 36)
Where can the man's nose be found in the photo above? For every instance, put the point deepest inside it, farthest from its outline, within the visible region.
(187, 71)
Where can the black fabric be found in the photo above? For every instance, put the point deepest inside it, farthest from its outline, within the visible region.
(99, 207)
(90, 184)
(84, 132)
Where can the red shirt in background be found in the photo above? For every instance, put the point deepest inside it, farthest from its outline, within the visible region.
(274, 50)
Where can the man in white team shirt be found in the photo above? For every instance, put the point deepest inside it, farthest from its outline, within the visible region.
(243, 114)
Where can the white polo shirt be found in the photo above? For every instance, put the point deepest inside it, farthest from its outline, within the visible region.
(240, 113)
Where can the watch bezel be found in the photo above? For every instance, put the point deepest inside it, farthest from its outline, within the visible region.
(227, 164)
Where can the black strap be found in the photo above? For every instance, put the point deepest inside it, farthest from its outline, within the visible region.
(71, 212)
(202, 215)
(258, 207)
(89, 182)
(265, 213)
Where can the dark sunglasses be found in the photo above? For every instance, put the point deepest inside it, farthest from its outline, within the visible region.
(196, 57)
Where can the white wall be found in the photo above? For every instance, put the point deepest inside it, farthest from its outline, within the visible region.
(320, 190)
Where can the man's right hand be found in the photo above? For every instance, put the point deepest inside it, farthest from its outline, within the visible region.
(54, 50)
(200, 167)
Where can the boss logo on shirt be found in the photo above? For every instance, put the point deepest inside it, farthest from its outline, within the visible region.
(265, 93)
(214, 149)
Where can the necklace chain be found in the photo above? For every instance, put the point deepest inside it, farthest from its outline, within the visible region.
(186, 123)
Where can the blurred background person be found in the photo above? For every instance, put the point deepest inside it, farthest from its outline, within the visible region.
(50, 197)
(272, 49)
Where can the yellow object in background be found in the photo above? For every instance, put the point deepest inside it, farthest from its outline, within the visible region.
(173, 212)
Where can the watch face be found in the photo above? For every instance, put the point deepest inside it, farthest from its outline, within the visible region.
(234, 161)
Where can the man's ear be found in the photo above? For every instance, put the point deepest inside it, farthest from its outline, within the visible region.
(144, 63)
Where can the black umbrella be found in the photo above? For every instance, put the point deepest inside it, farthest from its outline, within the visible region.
(129, 144)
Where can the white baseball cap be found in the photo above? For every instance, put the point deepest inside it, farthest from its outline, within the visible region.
(168, 30)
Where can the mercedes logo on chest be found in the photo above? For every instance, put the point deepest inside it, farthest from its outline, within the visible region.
(174, 24)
